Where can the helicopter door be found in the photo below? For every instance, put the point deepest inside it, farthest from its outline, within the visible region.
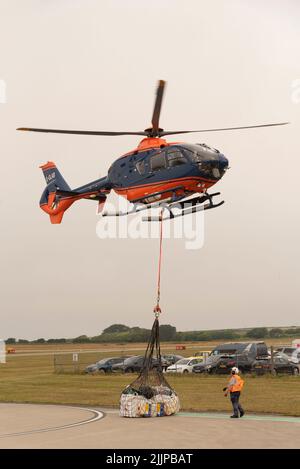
(158, 162)
(176, 158)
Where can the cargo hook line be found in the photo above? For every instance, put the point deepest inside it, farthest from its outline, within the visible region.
(157, 309)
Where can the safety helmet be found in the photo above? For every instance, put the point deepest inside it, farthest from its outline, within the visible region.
(235, 370)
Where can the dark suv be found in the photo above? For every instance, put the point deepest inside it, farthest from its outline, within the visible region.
(134, 364)
(211, 364)
(252, 349)
(105, 365)
(242, 361)
(239, 354)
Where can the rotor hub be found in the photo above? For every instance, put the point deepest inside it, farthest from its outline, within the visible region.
(151, 142)
(152, 132)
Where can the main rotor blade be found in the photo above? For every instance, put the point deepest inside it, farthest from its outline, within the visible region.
(157, 107)
(217, 130)
(80, 132)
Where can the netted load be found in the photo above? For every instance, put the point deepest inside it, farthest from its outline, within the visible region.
(150, 395)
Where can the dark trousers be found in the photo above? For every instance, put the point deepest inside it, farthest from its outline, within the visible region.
(237, 408)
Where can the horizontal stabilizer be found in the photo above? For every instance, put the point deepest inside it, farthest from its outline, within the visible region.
(67, 193)
(81, 195)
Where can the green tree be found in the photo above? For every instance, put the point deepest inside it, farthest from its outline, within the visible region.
(56, 341)
(167, 332)
(81, 339)
(292, 331)
(116, 328)
(258, 333)
(276, 332)
(39, 341)
(224, 334)
(10, 340)
(138, 334)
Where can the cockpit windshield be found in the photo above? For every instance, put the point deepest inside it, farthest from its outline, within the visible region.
(200, 152)
(207, 159)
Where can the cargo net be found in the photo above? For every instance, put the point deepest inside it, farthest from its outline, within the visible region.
(150, 395)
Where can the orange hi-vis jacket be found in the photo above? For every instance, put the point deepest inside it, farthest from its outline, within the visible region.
(235, 383)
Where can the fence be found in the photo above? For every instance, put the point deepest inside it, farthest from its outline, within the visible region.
(77, 362)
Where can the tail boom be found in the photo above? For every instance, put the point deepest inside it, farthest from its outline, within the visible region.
(58, 196)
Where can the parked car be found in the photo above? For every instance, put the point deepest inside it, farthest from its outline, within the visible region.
(205, 367)
(253, 349)
(216, 364)
(242, 361)
(292, 352)
(91, 368)
(129, 365)
(185, 365)
(171, 359)
(134, 364)
(288, 350)
(283, 355)
(281, 365)
(295, 357)
(105, 365)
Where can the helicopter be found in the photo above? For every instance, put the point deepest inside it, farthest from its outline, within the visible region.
(156, 173)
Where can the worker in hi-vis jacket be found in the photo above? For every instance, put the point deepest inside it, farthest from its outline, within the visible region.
(234, 387)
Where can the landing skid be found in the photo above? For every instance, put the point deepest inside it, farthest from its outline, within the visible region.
(136, 208)
(186, 207)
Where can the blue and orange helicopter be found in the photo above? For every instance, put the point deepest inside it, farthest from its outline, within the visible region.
(156, 173)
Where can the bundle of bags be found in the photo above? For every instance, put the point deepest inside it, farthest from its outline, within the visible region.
(150, 395)
(156, 401)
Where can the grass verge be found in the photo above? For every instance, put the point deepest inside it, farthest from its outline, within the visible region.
(32, 379)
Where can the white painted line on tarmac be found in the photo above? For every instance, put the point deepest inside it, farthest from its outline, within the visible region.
(97, 416)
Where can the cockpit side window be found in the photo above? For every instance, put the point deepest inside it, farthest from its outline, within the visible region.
(192, 154)
(176, 157)
(158, 161)
(140, 166)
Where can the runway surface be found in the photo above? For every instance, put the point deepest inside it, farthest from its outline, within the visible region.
(53, 426)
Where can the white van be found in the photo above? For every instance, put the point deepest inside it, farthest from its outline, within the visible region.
(293, 353)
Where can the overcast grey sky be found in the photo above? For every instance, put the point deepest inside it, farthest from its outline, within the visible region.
(94, 65)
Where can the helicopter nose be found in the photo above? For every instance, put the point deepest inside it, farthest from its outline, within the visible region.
(223, 162)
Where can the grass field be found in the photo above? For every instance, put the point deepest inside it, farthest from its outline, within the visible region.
(191, 347)
(32, 379)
